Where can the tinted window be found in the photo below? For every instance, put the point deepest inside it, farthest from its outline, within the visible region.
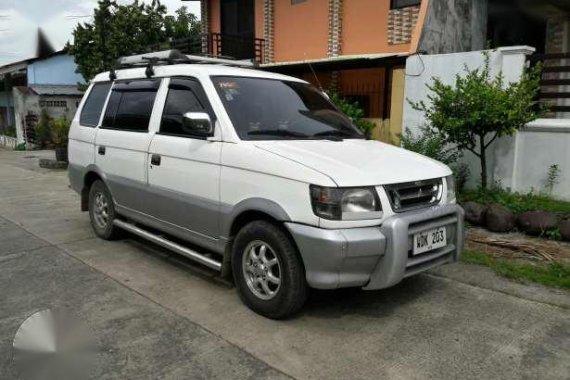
(267, 109)
(94, 105)
(184, 95)
(130, 105)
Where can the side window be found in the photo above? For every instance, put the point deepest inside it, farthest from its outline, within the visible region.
(184, 95)
(91, 111)
(130, 105)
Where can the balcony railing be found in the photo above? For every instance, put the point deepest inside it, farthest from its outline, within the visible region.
(219, 45)
(554, 83)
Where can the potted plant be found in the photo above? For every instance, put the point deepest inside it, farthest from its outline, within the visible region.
(60, 131)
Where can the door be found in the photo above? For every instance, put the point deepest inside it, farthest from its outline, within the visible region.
(184, 170)
(81, 145)
(122, 141)
(238, 28)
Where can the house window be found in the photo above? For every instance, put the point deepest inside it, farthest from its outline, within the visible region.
(397, 4)
(53, 103)
(293, 2)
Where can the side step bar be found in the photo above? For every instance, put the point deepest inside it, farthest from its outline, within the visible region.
(175, 247)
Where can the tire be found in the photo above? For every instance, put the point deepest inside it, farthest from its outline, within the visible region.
(253, 266)
(102, 212)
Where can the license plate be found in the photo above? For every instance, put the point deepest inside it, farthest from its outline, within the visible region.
(428, 240)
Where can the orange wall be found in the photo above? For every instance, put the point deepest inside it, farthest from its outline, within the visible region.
(215, 26)
(365, 28)
(300, 30)
(258, 18)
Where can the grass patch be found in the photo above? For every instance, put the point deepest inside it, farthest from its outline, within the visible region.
(517, 202)
(555, 275)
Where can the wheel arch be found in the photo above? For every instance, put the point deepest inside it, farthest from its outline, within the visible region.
(92, 174)
(248, 210)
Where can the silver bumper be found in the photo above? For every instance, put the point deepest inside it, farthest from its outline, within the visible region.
(376, 257)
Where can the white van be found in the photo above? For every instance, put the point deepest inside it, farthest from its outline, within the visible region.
(257, 175)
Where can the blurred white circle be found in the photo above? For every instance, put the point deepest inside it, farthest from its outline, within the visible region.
(53, 345)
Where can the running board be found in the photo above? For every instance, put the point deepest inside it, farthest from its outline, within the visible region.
(175, 247)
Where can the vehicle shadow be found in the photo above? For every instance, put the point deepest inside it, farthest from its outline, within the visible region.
(332, 304)
(325, 304)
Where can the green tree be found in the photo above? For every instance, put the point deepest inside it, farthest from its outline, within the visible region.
(183, 25)
(478, 108)
(119, 30)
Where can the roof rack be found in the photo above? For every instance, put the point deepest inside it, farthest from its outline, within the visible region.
(170, 57)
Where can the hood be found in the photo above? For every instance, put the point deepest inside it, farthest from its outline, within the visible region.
(358, 162)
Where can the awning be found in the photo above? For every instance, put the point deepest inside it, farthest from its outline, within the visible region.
(342, 62)
(61, 90)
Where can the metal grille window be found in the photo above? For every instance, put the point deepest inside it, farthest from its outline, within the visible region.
(412, 195)
(397, 4)
(53, 103)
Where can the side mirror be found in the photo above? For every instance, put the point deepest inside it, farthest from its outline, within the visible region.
(197, 123)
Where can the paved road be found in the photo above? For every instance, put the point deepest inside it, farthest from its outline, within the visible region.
(158, 316)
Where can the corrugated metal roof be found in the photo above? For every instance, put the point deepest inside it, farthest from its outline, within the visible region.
(64, 90)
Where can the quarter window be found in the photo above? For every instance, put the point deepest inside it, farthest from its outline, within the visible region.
(91, 111)
(184, 95)
(130, 105)
(397, 4)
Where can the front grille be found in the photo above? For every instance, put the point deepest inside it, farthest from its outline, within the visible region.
(412, 195)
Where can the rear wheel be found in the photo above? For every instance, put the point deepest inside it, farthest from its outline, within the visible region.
(102, 211)
(267, 270)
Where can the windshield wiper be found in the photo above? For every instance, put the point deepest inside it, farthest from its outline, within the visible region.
(278, 132)
(338, 134)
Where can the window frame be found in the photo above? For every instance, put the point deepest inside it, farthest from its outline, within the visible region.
(202, 97)
(119, 82)
(393, 4)
(103, 107)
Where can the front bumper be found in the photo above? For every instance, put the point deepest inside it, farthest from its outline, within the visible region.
(376, 257)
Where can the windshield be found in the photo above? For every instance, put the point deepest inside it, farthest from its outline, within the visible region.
(268, 109)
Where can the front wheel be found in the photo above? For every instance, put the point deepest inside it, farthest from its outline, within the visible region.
(267, 270)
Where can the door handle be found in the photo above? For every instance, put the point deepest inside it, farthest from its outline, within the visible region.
(101, 150)
(155, 160)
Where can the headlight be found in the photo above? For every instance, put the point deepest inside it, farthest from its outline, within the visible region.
(345, 203)
(451, 196)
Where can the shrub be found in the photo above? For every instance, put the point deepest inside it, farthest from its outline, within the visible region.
(43, 130)
(60, 131)
(354, 112)
(431, 144)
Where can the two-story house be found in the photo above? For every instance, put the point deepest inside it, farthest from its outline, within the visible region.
(356, 48)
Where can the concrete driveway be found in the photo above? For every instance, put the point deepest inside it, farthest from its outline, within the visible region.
(158, 316)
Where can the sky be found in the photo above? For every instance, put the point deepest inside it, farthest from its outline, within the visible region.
(20, 20)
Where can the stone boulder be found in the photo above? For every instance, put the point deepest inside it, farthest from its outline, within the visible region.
(565, 229)
(536, 222)
(475, 213)
(499, 219)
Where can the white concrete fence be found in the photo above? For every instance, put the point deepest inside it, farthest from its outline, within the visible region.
(8, 142)
(520, 162)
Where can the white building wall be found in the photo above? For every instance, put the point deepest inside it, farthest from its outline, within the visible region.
(519, 162)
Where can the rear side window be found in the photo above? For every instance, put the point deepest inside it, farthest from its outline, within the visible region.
(91, 111)
(130, 105)
(184, 95)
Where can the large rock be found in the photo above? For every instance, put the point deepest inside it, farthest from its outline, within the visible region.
(475, 213)
(499, 219)
(565, 229)
(536, 222)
